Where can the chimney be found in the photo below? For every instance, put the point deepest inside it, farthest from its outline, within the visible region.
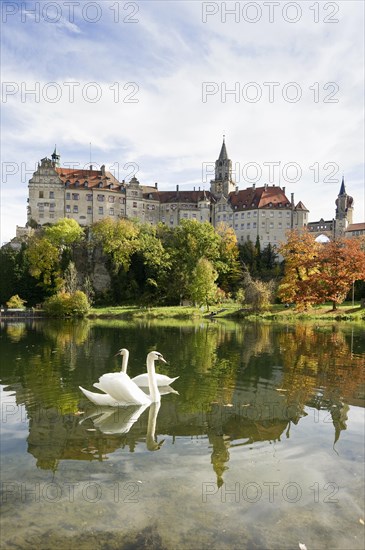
(91, 167)
(103, 170)
(236, 191)
(292, 199)
(156, 185)
(265, 186)
(254, 186)
(177, 188)
(284, 190)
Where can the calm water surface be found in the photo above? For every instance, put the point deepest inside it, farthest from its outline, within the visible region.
(262, 447)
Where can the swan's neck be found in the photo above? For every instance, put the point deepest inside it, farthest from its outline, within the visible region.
(152, 382)
(125, 361)
(151, 427)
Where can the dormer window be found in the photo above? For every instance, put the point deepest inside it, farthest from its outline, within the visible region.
(100, 184)
(67, 183)
(110, 185)
(77, 183)
(86, 183)
(270, 204)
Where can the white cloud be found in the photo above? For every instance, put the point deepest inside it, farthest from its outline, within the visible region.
(170, 132)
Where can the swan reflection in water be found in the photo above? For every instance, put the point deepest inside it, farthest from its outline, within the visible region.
(120, 421)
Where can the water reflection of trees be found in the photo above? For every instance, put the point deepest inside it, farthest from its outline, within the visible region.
(229, 382)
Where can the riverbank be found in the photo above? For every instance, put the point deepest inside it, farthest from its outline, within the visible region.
(278, 312)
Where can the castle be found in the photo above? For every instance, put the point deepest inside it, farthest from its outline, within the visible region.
(91, 195)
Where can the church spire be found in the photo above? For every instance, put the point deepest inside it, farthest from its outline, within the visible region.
(222, 183)
(223, 154)
(342, 189)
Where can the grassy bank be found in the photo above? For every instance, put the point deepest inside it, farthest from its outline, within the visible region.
(278, 312)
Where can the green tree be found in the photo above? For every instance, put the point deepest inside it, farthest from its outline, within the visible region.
(230, 272)
(64, 233)
(202, 287)
(44, 263)
(119, 240)
(16, 302)
(187, 244)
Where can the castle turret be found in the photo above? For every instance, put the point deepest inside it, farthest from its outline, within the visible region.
(344, 210)
(56, 158)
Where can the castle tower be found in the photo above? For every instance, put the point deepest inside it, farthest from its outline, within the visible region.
(344, 210)
(222, 183)
(56, 158)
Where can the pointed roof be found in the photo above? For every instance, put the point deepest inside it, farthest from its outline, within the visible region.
(223, 154)
(342, 190)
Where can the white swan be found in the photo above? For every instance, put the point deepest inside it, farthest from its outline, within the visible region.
(121, 390)
(142, 379)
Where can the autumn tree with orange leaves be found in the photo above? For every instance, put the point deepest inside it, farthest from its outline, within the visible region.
(320, 272)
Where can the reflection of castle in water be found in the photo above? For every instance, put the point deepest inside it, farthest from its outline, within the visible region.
(250, 418)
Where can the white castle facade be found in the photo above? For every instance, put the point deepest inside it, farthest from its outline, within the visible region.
(92, 195)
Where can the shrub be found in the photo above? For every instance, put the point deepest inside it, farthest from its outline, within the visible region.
(16, 302)
(66, 304)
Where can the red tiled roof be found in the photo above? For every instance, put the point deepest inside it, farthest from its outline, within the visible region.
(259, 197)
(356, 227)
(93, 178)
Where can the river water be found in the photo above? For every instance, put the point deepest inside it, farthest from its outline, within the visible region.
(261, 448)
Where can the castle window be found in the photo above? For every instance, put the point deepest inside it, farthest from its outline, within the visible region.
(101, 198)
(280, 225)
(75, 209)
(242, 214)
(41, 194)
(271, 214)
(89, 197)
(248, 225)
(68, 208)
(51, 215)
(242, 225)
(41, 207)
(68, 196)
(101, 210)
(111, 211)
(51, 207)
(263, 213)
(254, 224)
(75, 196)
(220, 175)
(89, 210)
(134, 205)
(51, 194)
(111, 199)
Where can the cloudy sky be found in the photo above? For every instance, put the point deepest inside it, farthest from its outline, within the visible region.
(153, 86)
